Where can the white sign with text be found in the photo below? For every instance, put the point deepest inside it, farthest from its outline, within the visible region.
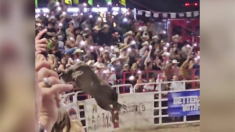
(138, 113)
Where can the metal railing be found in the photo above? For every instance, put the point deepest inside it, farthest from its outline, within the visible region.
(159, 101)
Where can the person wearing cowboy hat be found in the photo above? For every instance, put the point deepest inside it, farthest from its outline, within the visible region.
(129, 36)
(86, 31)
(70, 31)
(175, 64)
(75, 22)
(52, 19)
(95, 34)
(122, 46)
(105, 26)
(90, 62)
(115, 38)
(78, 35)
(105, 36)
(116, 64)
(96, 28)
(155, 39)
(145, 46)
(99, 67)
(144, 38)
(106, 56)
(77, 54)
(176, 38)
(116, 52)
(101, 70)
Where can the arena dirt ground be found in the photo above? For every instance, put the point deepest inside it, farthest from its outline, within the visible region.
(172, 128)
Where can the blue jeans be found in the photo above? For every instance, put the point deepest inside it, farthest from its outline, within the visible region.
(70, 51)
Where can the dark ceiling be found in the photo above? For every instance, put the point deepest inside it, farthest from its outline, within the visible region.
(154, 5)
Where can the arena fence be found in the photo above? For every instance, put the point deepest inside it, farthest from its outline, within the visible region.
(145, 109)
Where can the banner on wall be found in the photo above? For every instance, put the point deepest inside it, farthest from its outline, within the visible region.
(137, 113)
(97, 119)
(184, 103)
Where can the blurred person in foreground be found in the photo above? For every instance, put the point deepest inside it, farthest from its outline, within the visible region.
(65, 124)
(48, 86)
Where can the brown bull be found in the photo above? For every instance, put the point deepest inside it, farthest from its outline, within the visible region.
(86, 80)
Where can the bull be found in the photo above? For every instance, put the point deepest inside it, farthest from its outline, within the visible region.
(85, 79)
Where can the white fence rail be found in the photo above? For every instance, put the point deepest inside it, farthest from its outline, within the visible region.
(143, 109)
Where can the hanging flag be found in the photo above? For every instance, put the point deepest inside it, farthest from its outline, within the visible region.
(69, 2)
(108, 1)
(123, 2)
(76, 2)
(90, 2)
(36, 3)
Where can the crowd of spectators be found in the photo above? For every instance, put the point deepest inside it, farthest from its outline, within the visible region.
(118, 47)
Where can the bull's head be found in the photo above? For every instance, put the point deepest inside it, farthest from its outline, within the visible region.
(70, 74)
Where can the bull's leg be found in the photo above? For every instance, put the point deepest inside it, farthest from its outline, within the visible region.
(106, 107)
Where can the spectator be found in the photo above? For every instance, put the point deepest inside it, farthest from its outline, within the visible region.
(70, 46)
(77, 55)
(95, 34)
(128, 48)
(100, 68)
(70, 31)
(144, 48)
(105, 37)
(176, 85)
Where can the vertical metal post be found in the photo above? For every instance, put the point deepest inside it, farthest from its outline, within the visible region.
(160, 103)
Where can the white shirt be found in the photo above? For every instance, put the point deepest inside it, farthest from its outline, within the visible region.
(177, 86)
(61, 46)
(142, 50)
(149, 87)
(111, 78)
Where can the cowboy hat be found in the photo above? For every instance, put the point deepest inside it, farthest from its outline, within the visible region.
(100, 65)
(155, 37)
(72, 22)
(166, 53)
(78, 51)
(90, 62)
(86, 29)
(126, 65)
(106, 51)
(122, 45)
(145, 43)
(113, 60)
(175, 37)
(96, 28)
(129, 33)
(52, 18)
(121, 56)
(105, 26)
(116, 50)
(151, 80)
(175, 62)
(144, 36)
(38, 20)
